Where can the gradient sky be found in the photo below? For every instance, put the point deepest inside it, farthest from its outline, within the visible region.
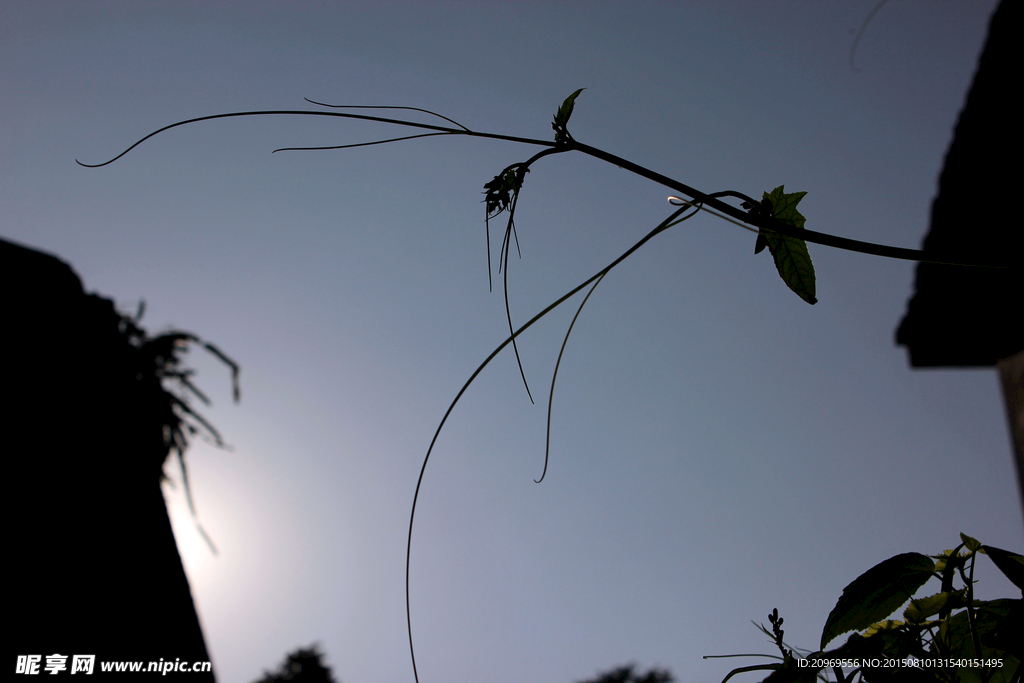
(719, 448)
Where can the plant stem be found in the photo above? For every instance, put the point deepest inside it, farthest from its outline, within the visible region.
(761, 222)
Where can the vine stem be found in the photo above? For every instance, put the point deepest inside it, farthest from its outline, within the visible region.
(761, 222)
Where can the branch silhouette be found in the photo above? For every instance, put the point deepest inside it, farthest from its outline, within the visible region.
(774, 218)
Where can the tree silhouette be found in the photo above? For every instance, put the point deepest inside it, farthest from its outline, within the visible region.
(304, 665)
(628, 674)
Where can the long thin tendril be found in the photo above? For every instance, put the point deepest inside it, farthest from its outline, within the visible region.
(359, 144)
(508, 311)
(363, 106)
(860, 32)
(558, 363)
(423, 468)
(554, 376)
(510, 234)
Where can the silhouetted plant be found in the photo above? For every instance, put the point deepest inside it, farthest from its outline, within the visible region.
(168, 388)
(628, 674)
(943, 637)
(774, 218)
(304, 665)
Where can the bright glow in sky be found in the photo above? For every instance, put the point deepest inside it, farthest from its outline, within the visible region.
(719, 447)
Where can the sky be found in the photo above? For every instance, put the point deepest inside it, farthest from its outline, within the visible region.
(719, 447)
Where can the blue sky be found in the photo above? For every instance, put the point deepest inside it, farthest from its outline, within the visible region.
(719, 448)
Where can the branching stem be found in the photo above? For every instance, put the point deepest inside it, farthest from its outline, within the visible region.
(697, 196)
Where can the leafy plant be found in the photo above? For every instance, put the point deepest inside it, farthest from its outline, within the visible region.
(165, 386)
(304, 665)
(943, 637)
(628, 674)
(779, 227)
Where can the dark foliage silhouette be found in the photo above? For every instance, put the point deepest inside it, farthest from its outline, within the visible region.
(304, 665)
(93, 408)
(628, 674)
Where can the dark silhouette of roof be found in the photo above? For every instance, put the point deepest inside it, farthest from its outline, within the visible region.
(972, 316)
(93, 567)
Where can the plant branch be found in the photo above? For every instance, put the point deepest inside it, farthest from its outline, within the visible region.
(761, 222)
(764, 222)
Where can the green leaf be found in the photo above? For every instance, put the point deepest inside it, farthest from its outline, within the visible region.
(792, 259)
(883, 626)
(562, 117)
(949, 560)
(1010, 564)
(971, 544)
(877, 593)
(565, 111)
(922, 608)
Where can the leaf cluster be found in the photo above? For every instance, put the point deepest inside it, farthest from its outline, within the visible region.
(166, 387)
(986, 637)
(502, 190)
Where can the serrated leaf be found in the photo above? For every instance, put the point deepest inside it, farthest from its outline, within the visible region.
(792, 259)
(877, 593)
(922, 608)
(972, 544)
(784, 206)
(882, 627)
(1010, 564)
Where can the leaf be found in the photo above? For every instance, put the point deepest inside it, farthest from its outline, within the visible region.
(792, 259)
(565, 111)
(883, 627)
(877, 593)
(949, 559)
(922, 608)
(562, 117)
(503, 188)
(1010, 564)
(972, 544)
